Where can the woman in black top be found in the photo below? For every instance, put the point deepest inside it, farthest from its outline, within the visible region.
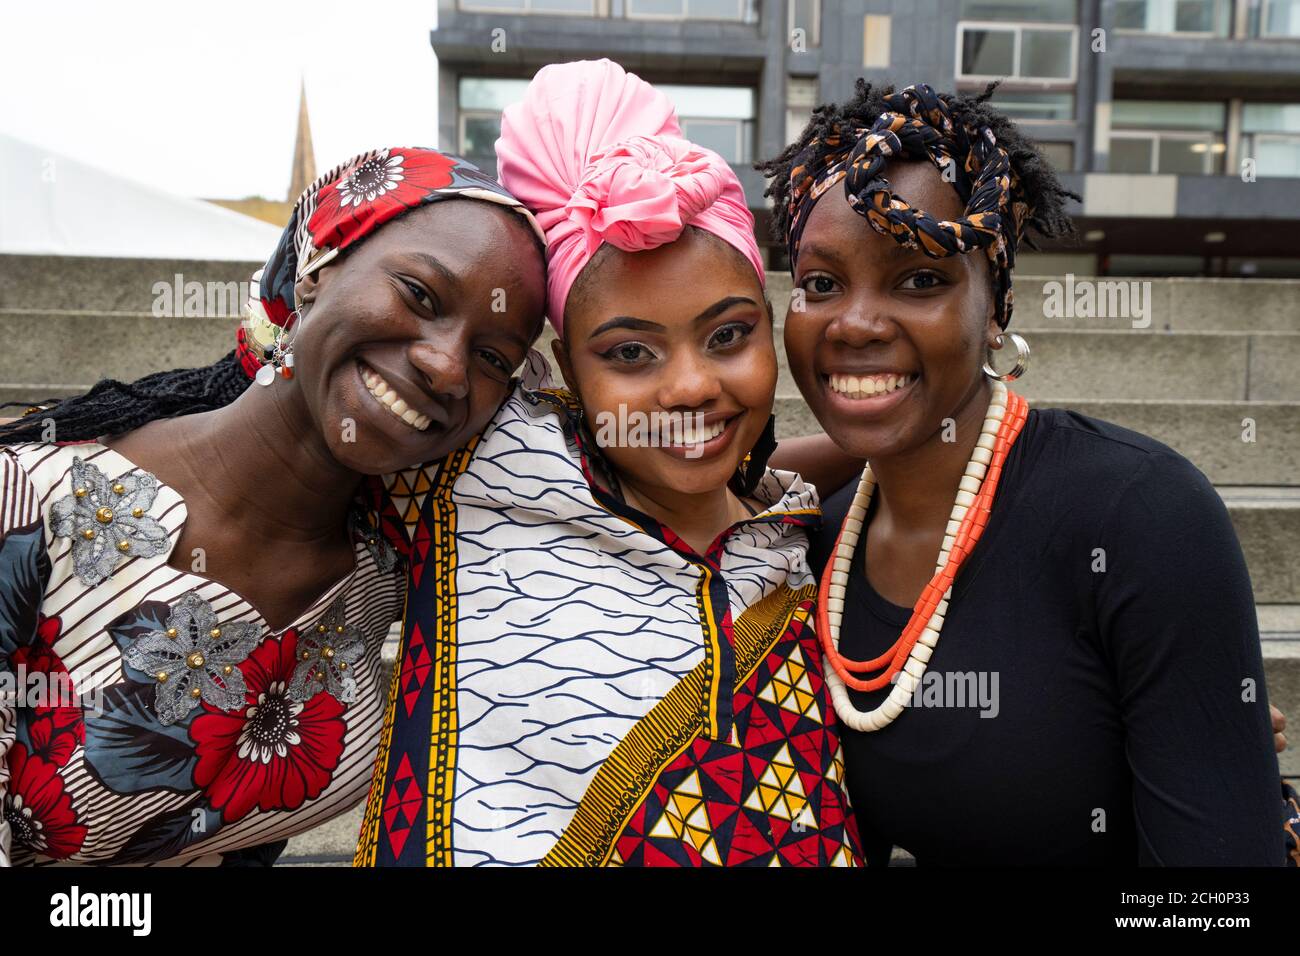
(1097, 692)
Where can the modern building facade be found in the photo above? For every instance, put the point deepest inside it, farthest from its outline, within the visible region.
(1177, 121)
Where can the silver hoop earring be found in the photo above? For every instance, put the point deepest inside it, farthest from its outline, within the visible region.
(280, 361)
(1022, 357)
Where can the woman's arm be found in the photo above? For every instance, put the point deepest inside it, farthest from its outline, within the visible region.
(24, 572)
(1177, 621)
(819, 460)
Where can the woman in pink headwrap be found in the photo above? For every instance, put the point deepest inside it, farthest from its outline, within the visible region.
(608, 657)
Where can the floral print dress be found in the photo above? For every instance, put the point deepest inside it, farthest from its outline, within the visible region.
(148, 714)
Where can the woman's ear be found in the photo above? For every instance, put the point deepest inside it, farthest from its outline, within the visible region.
(304, 290)
(562, 361)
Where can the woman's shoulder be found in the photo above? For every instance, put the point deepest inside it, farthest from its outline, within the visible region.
(1101, 458)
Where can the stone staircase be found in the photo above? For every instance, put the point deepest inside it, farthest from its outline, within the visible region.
(1220, 357)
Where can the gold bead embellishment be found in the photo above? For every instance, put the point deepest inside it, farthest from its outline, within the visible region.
(320, 628)
(80, 492)
(171, 632)
(161, 677)
(328, 653)
(119, 488)
(195, 660)
(137, 512)
(215, 632)
(196, 693)
(104, 515)
(124, 546)
(89, 534)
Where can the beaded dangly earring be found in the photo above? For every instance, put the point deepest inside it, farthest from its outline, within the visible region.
(280, 361)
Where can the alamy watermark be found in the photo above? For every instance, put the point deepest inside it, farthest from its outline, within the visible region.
(637, 429)
(198, 300)
(23, 688)
(1098, 299)
(957, 689)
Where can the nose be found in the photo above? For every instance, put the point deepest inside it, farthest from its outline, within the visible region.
(444, 362)
(689, 381)
(864, 319)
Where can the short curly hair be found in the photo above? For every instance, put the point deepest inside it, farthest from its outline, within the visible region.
(1039, 185)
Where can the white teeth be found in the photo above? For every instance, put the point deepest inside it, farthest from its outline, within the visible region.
(679, 432)
(387, 397)
(865, 386)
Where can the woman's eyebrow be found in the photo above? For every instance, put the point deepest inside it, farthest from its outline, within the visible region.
(627, 322)
(430, 262)
(722, 305)
(645, 325)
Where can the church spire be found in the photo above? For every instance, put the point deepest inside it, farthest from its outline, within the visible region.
(304, 157)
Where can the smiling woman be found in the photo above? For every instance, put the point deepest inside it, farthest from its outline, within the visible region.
(209, 559)
(607, 656)
(1088, 574)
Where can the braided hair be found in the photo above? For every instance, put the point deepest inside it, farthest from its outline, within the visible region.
(1038, 183)
(112, 407)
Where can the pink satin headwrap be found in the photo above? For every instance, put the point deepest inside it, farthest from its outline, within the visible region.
(596, 153)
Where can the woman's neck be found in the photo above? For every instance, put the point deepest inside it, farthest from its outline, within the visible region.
(916, 488)
(697, 519)
(261, 462)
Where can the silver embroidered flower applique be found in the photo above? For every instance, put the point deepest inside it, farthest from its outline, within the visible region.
(194, 658)
(107, 520)
(381, 550)
(327, 655)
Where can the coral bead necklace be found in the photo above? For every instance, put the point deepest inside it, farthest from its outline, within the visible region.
(904, 663)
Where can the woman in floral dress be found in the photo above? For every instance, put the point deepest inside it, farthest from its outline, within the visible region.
(192, 608)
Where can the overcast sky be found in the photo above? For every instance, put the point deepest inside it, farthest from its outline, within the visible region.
(201, 99)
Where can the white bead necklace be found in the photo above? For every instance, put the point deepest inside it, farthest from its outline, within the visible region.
(841, 566)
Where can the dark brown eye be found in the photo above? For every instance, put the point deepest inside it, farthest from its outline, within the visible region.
(729, 335)
(818, 285)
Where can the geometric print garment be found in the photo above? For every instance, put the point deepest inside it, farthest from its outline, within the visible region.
(575, 686)
(183, 728)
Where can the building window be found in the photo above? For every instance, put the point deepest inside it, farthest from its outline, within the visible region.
(1022, 11)
(1197, 17)
(1023, 51)
(806, 15)
(1181, 138)
(742, 10)
(579, 7)
(1033, 105)
(1271, 137)
(1060, 155)
(1275, 18)
(718, 117)
(800, 98)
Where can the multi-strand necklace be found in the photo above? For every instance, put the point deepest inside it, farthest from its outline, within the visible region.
(904, 663)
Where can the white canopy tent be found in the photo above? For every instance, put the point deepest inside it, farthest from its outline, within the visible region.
(53, 205)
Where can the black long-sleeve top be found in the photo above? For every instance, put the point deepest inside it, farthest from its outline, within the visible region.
(1129, 721)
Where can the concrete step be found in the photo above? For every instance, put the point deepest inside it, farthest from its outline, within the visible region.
(56, 352)
(1193, 304)
(1207, 433)
(1267, 522)
(1279, 632)
(106, 284)
(330, 844)
(1185, 305)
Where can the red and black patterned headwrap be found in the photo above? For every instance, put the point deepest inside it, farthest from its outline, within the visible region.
(919, 125)
(342, 208)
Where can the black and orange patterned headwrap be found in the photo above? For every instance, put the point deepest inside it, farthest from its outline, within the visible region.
(919, 125)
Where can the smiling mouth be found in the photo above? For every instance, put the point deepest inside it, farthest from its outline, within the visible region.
(387, 396)
(868, 386)
(683, 431)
